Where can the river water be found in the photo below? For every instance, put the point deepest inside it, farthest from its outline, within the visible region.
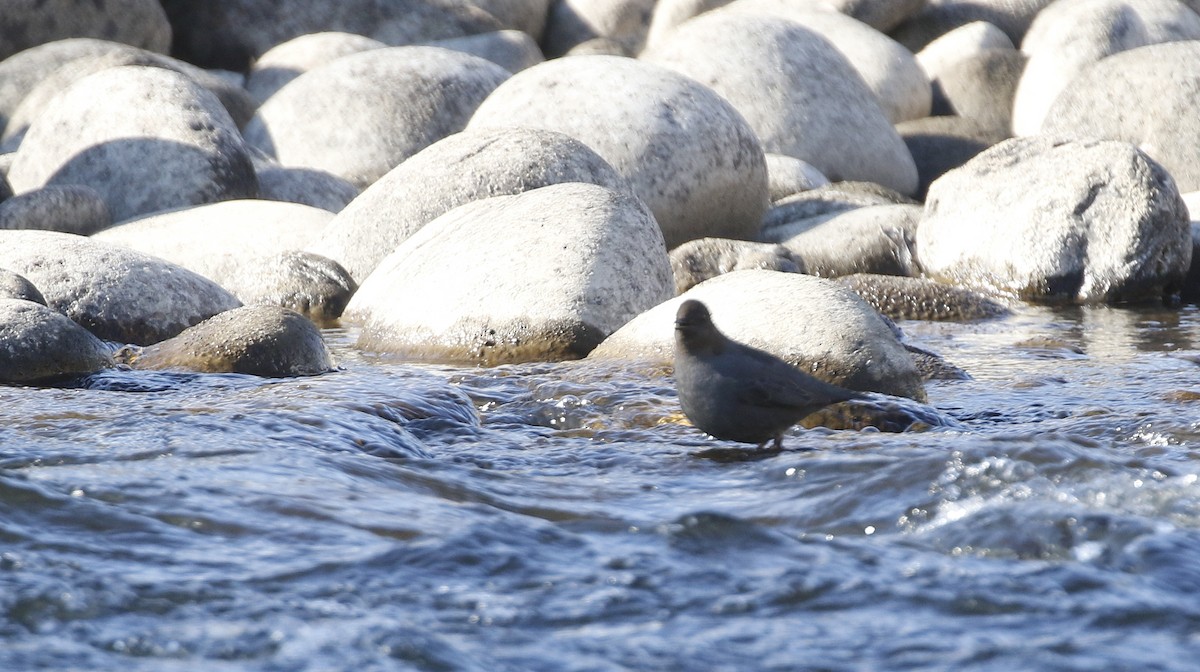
(557, 517)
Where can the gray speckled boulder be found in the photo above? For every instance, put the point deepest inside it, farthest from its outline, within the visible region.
(1070, 35)
(941, 16)
(698, 260)
(146, 138)
(574, 22)
(250, 248)
(1124, 97)
(553, 271)
(1045, 219)
(819, 109)
(116, 293)
(28, 23)
(287, 61)
(263, 341)
(687, 152)
(981, 87)
(512, 50)
(70, 208)
(903, 298)
(889, 70)
(465, 167)
(14, 286)
(875, 239)
(39, 344)
(304, 186)
(230, 34)
(236, 101)
(361, 115)
(800, 212)
(789, 175)
(817, 325)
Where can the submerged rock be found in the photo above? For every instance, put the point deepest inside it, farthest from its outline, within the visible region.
(1054, 220)
(548, 274)
(114, 292)
(37, 343)
(816, 325)
(465, 167)
(266, 341)
(903, 298)
(698, 260)
(687, 152)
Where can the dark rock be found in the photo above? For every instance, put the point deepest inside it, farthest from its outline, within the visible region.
(13, 286)
(39, 344)
(902, 298)
(29, 23)
(71, 208)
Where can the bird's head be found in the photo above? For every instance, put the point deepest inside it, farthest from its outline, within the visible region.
(695, 331)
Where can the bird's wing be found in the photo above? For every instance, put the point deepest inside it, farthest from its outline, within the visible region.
(769, 385)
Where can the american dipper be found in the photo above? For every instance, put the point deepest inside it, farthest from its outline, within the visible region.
(740, 393)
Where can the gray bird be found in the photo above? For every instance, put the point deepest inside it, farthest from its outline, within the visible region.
(736, 392)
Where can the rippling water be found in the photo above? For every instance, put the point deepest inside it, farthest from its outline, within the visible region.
(558, 517)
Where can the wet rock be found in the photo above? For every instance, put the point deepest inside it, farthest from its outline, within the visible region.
(230, 34)
(942, 16)
(981, 88)
(250, 248)
(941, 144)
(890, 71)
(233, 97)
(146, 138)
(902, 298)
(1123, 98)
(566, 265)
(305, 186)
(815, 324)
(698, 260)
(14, 286)
(1051, 220)
(1073, 34)
(39, 344)
(288, 60)
(465, 167)
(114, 292)
(800, 212)
(874, 239)
(512, 50)
(885, 413)
(959, 44)
(789, 175)
(573, 22)
(819, 110)
(363, 114)
(70, 208)
(687, 152)
(266, 341)
(29, 23)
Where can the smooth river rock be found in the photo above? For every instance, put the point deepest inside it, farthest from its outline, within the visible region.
(29, 23)
(941, 16)
(542, 275)
(266, 341)
(1070, 35)
(817, 325)
(800, 212)
(698, 260)
(574, 22)
(40, 344)
(249, 247)
(145, 138)
(874, 239)
(798, 92)
(789, 175)
(15, 286)
(116, 293)
(361, 115)
(1124, 97)
(69, 208)
(687, 152)
(288, 60)
(465, 167)
(1056, 220)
